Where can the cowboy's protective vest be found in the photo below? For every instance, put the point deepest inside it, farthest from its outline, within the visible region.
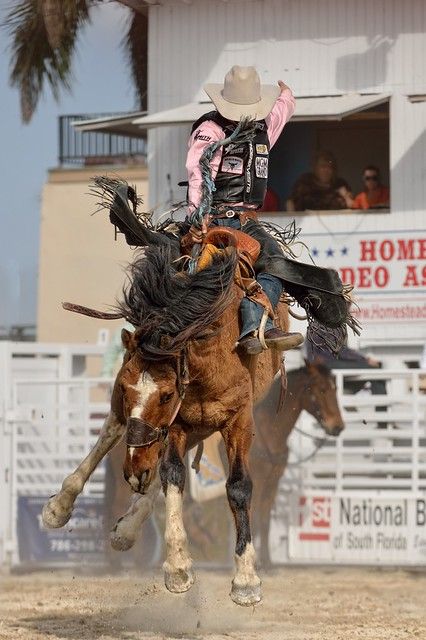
(243, 171)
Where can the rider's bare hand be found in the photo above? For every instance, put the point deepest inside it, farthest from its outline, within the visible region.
(282, 86)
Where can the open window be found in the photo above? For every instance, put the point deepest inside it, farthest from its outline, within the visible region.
(355, 139)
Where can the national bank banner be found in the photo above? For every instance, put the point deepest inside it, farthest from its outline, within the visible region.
(81, 540)
(356, 529)
(386, 268)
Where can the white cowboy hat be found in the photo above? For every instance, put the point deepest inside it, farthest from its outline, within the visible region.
(242, 95)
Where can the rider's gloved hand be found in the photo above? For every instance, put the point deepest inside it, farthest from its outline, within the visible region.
(197, 234)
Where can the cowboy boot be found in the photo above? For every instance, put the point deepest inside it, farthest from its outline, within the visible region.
(251, 315)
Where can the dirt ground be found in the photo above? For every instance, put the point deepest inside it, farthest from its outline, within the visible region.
(308, 603)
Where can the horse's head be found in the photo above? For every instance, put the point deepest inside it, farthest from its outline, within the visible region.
(170, 307)
(147, 395)
(320, 399)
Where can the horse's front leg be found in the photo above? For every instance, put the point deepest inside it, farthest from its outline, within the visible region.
(246, 585)
(178, 572)
(124, 533)
(57, 511)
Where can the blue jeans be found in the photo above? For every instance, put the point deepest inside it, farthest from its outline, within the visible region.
(251, 312)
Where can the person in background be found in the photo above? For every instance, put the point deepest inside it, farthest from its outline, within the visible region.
(350, 359)
(375, 194)
(347, 359)
(322, 189)
(271, 201)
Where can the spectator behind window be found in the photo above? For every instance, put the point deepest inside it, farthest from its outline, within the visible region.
(375, 195)
(322, 189)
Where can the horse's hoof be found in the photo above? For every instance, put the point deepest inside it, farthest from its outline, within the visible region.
(54, 515)
(123, 535)
(179, 581)
(120, 542)
(247, 595)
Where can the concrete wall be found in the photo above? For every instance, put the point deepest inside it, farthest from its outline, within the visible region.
(79, 259)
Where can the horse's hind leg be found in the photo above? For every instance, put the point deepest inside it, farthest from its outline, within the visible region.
(246, 585)
(178, 573)
(57, 511)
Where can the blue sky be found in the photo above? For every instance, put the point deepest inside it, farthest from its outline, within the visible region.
(101, 84)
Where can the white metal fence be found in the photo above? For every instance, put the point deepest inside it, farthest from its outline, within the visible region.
(49, 414)
(49, 429)
(371, 480)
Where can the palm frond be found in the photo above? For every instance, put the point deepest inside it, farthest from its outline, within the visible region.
(34, 60)
(53, 17)
(135, 44)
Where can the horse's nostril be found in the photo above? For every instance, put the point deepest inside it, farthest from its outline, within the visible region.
(336, 431)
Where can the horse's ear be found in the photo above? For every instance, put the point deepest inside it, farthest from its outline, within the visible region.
(307, 363)
(127, 340)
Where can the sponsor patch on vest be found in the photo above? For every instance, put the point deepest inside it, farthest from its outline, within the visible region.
(261, 167)
(262, 149)
(233, 164)
(231, 148)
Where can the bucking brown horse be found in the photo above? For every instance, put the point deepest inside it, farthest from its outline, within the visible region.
(182, 379)
(310, 388)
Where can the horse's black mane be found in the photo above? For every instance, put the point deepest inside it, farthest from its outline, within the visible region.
(169, 306)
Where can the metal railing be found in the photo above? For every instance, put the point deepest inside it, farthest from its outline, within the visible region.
(50, 423)
(378, 462)
(83, 148)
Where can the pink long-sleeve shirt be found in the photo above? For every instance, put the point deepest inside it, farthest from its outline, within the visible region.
(209, 132)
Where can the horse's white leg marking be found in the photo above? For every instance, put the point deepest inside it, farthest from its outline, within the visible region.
(246, 585)
(145, 387)
(179, 575)
(57, 511)
(124, 533)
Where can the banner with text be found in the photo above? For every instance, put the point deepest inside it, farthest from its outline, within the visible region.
(81, 540)
(386, 268)
(356, 529)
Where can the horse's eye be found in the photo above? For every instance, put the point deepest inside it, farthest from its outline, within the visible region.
(166, 397)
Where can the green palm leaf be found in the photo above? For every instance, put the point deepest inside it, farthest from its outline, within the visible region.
(33, 58)
(135, 44)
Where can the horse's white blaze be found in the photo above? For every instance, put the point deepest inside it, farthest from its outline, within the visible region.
(245, 568)
(145, 387)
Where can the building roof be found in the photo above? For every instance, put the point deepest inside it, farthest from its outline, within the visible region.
(307, 108)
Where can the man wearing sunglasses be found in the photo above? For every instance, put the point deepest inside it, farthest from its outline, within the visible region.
(375, 195)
